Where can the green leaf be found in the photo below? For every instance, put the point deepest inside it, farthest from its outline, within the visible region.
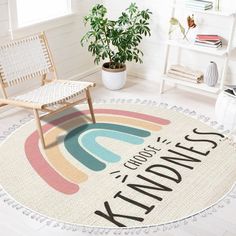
(132, 8)
(174, 21)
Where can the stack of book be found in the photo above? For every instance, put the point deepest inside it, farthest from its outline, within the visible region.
(199, 5)
(185, 73)
(208, 40)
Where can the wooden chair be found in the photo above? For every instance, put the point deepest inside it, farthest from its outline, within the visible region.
(31, 58)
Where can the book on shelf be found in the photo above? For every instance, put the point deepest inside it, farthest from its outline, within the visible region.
(199, 4)
(230, 90)
(209, 42)
(198, 8)
(219, 45)
(206, 40)
(185, 74)
(214, 37)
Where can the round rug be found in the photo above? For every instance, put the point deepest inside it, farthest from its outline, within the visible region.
(139, 165)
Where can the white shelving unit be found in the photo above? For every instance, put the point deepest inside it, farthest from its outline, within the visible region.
(221, 52)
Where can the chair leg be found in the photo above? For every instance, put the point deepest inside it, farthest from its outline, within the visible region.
(39, 127)
(90, 105)
(2, 105)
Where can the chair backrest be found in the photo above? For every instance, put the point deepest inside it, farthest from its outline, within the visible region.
(24, 59)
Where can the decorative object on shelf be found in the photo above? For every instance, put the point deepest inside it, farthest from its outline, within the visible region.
(185, 73)
(211, 74)
(175, 22)
(116, 40)
(225, 110)
(208, 40)
(199, 5)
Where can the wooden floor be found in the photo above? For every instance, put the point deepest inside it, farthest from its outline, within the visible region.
(220, 223)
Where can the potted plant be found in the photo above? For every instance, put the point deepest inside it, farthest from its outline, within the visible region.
(116, 41)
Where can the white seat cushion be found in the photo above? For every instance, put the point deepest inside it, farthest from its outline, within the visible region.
(53, 93)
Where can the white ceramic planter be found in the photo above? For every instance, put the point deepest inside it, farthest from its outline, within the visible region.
(114, 79)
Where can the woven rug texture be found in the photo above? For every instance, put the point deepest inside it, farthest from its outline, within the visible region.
(139, 165)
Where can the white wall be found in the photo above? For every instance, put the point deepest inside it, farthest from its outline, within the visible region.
(4, 22)
(154, 47)
(70, 58)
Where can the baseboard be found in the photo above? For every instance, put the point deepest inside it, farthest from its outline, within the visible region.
(149, 76)
(85, 73)
(146, 76)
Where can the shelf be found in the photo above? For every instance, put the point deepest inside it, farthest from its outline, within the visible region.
(190, 46)
(201, 86)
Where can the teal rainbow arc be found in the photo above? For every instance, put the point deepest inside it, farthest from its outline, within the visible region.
(81, 143)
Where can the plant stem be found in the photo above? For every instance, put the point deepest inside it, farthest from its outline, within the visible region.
(108, 45)
(217, 5)
(185, 35)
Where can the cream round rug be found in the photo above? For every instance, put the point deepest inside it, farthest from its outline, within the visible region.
(139, 165)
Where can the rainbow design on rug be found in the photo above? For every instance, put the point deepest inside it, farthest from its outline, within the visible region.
(80, 142)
